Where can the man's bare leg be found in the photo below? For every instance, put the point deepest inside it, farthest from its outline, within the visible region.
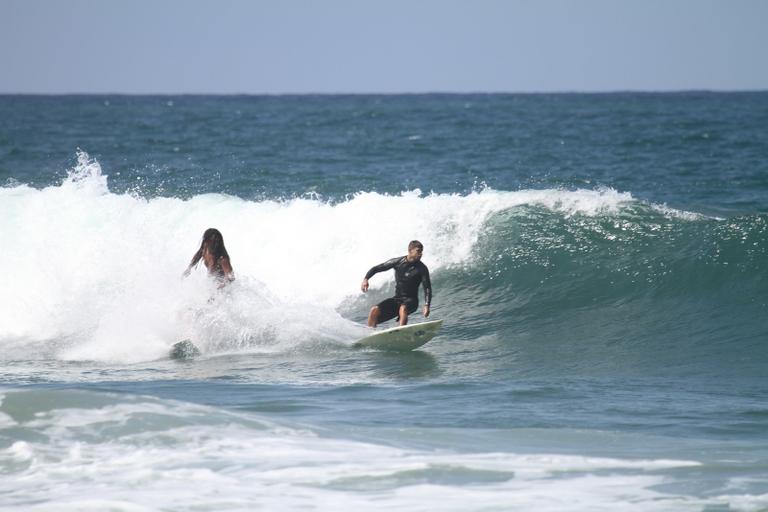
(373, 316)
(403, 315)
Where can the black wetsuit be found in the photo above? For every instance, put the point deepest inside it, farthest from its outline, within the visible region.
(408, 276)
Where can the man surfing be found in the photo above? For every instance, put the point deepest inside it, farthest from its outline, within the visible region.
(410, 272)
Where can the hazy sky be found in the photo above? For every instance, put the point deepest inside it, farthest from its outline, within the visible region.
(303, 46)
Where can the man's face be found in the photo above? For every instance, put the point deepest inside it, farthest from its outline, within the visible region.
(415, 253)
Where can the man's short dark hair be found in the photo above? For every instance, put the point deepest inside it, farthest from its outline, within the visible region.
(415, 243)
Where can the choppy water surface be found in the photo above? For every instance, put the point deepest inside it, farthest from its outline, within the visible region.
(599, 261)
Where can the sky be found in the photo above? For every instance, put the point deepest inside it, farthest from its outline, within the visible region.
(387, 46)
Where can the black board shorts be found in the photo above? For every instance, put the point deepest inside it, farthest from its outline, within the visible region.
(390, 308)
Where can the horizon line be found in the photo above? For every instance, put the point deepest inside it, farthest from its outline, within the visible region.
(401, 93)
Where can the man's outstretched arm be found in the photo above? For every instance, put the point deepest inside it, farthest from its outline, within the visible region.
(387, 265)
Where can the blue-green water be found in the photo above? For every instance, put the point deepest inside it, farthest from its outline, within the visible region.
(600, 262)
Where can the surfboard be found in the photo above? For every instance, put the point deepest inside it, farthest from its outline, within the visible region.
(401, 339)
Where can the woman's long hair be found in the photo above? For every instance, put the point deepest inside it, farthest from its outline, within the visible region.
(213, 240)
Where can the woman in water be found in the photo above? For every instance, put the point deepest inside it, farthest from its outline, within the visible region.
(214, 256)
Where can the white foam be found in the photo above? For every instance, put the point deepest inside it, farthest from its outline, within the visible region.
(674, 213)
(157, 455)
(99, 272)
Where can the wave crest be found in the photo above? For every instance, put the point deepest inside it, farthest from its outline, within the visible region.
(98, 273)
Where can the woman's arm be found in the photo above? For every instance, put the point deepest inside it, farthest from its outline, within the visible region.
(226, 267)
(195, 260)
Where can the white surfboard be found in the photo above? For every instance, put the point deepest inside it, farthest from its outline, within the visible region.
(401, 339)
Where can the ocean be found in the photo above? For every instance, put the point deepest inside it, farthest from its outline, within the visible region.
(600, 262)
